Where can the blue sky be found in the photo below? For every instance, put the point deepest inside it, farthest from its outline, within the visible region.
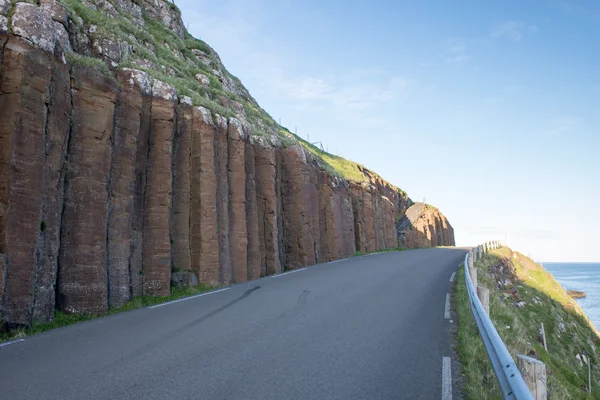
(487, 109)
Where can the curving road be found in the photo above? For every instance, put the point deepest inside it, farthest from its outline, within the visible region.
(370, 327)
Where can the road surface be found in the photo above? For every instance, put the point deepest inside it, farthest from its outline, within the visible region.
(371, 327)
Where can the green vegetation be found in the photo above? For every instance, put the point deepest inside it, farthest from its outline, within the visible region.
(61, 319)
(90, 62)
(158, 51)
(568, 333)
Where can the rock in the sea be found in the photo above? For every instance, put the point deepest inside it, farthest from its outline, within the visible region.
(576, 294)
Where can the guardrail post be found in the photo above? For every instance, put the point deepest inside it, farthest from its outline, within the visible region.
(473, 273)
(472, 258)
(484, 296)
(534, 374)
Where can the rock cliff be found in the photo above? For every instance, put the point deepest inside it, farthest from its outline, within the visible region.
(131, 159)
(424, 226)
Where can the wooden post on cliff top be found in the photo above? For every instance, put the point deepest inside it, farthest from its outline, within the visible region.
(484, 295)
(534, 374)
(544, 337)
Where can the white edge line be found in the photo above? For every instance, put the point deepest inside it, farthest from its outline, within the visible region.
(446, 379)
(189, 298)
(447, 307)
(452, 277)
(287, 273)
(332, 262)
(12, 342)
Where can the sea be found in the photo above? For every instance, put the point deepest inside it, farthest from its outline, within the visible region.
(584, 277)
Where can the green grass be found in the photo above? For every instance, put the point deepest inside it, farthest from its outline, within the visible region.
(565, 375)
(61, 319)
(89, 62)
(181, 67)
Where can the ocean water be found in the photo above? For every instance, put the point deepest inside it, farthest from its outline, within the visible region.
(584, 277)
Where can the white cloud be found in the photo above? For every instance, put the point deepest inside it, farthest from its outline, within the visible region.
(456, 51)
(513, 30)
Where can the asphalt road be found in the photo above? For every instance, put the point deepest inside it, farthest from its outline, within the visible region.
(370, 327)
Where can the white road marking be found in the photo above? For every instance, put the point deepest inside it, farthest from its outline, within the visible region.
(189, 298)
(287, 273)
(446, 379)
(447, 308)
(452, 277)
(331, 262)
(11, 342)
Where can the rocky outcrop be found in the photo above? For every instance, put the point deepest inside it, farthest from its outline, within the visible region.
(114, 186)
(424, 226)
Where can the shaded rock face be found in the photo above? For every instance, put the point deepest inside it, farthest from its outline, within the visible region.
(114, 186)
(424, 226)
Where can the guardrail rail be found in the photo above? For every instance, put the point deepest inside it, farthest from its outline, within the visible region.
(510, 380)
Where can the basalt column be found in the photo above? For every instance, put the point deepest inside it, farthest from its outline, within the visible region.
(369, 214)
(299, 247)
(205, 229)
(252, 213)
(157, 207)
(222, 161)
(139, 193)
(122, 184)
(82, 272)
(180, 211)
(324, 214)
(238, 234)
(57, 133)
(23, 112)
(267, 206)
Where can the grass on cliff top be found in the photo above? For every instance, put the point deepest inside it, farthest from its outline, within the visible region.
(62, 319)
(173, 62)
(518, 327)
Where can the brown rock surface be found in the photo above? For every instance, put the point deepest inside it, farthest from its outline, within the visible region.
(252, 214)
(157, 208)
(122, 185)
(299, 244)
(57, 133)
(205, 229)
(222, 157)
(180, 211)
(23, 98)
(267, 207)
(237, 201)
(139, 194)
(82, 275)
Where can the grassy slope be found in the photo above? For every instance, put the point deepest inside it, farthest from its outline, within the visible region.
(566, 377)
(172, 60)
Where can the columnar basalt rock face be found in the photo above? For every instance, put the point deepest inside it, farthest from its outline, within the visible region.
(182, 184)
(157, 207)
(139, 193)
(425, 226)
(113, 186)
(57, 134)
(268, 200)
(299, 243)
(222, 160)
(238, 234)
(82, 286)
(252, 214)
(23, 113)
(205, 245)
(121, 190)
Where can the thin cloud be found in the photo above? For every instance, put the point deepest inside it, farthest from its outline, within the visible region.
(513, 30)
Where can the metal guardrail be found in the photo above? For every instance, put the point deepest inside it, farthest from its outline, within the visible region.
(509, 377)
